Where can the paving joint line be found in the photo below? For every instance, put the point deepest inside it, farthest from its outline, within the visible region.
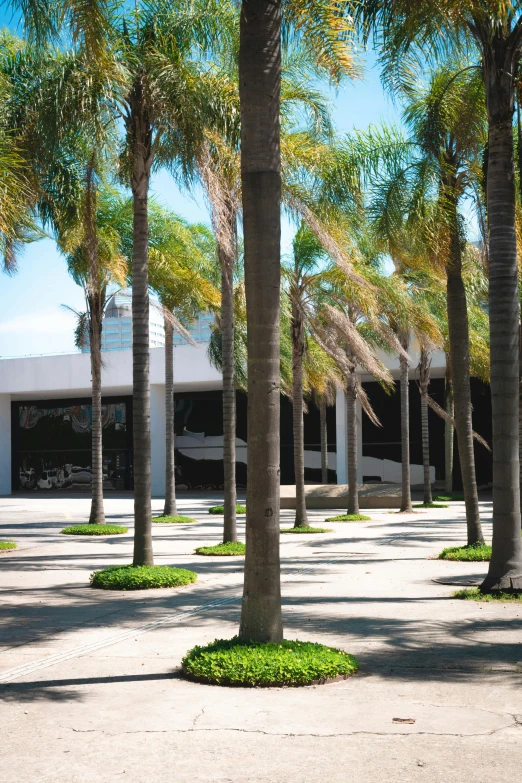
(76, 652)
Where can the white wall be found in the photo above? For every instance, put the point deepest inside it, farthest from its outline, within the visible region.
(367, 466)
(62, 376)
(5, 444)
(341, 435)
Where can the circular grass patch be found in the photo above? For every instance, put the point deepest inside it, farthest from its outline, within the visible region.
(230, 548)
(306, 529)
(430, 505)
(7, 545)
(95, 530)
(446, 498)
(178, 519)
(131, 577)
(472, 552)
(258, 664)
(221, 509)
(474, 594)
(349, 518)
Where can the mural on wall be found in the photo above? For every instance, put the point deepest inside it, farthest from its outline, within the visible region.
(80, 416)
(198, 426)
(67, 428)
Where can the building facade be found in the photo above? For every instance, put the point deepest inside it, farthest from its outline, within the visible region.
(117, 326)
(45, 419)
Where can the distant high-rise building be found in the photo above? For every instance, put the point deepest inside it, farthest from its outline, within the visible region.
(117, 326)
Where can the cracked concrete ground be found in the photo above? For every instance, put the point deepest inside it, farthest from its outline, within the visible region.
(90, 686)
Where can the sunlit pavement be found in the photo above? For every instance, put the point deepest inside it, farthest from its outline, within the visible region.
(90, 679)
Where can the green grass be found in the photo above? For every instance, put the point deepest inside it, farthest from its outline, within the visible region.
(474, 594)
(7, 545)
(306, 529)
(230, 548)
(131, 577)
(349, 518)
(430, 505)
(446, 498)
(176, 520)
(474, 552)
(231, 662)
(221, 509)
(95, 530)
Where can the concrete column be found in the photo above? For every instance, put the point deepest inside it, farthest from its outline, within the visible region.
(157, 439)
(342, 439)
(5, 444)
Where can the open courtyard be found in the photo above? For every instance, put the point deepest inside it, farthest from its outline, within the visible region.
(90, 679)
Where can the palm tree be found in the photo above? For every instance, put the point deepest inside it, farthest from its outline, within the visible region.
(305, 125)
(449, 407)
(218, 169)
(307, 287)
(407, 316)
(181, 270)
(424, 382)
(323, 430)
(93, 250)
(19, 185)
(260, 88)
(260, 85)
(165, 94)
(169, 99)
(427, 176)
(406, 506)
(68, 139)
(495, 30)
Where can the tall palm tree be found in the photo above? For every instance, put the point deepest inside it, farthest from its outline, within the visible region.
(19, 183)
(169, 98)
(424, 382)
(260, 88)
(427, 175)
(408, 316)
(260, 85)
(495, 30)
(308, 288)
(181, 271)
(60, 103)
(305, 125)
(93, 250)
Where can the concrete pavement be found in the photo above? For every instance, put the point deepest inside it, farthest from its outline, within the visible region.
(89, 679)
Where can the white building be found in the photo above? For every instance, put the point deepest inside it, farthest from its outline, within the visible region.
(117, 326)
(45, 419)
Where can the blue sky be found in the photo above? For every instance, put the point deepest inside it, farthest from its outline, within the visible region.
(32, 317)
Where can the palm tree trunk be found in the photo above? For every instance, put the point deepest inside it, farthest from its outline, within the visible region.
(95, 301)
(405, 434)
(97, 515)
(424, 372)
(170, 508)
(229, 395)
(428, 499)
(448, 432)
(260, 88)
(520, 392)
(324, 440)
(352, 453)
(458, 332)
(505, 568)
(301, 519)
(141, 366)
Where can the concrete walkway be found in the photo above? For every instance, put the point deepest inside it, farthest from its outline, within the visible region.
(90, 689)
